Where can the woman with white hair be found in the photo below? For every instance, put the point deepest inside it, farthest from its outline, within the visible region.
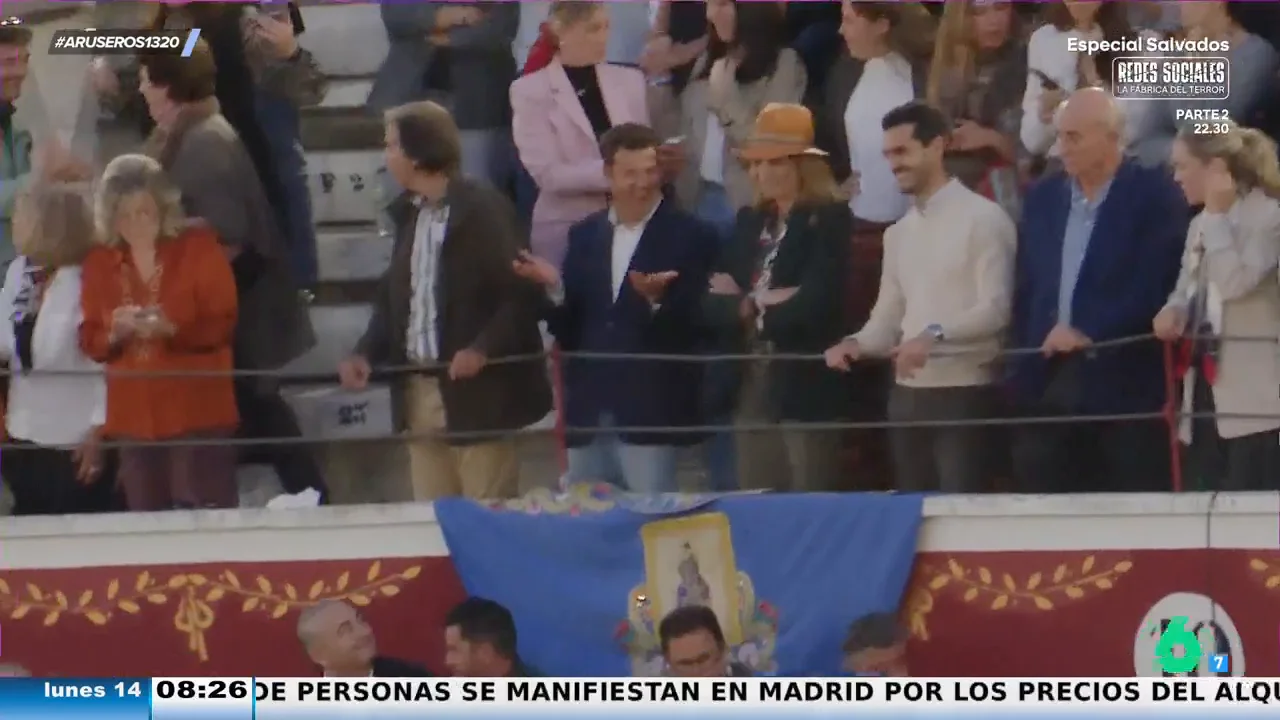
(159, 304)
(57, 396)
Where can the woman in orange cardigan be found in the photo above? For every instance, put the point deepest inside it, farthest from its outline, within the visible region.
(158, 297)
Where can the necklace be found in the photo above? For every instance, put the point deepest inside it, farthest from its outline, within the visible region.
(143, 347)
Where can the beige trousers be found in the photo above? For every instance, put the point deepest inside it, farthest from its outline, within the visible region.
(483, 471)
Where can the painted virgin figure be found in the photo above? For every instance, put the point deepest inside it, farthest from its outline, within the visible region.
(693, 588)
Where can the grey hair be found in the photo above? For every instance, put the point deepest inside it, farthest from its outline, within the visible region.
(307, 619)
(129, 174)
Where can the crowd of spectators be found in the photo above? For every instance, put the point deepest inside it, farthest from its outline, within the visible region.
(833, 246)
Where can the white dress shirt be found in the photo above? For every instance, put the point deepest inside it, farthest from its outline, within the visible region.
(626, 238)
(885, 84)
(51, 410)
(422, 341)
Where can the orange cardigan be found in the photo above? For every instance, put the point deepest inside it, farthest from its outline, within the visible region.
(197, 293)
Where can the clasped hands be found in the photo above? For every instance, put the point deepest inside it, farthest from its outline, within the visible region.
(450, 17)
(724, 284)
(132, 322)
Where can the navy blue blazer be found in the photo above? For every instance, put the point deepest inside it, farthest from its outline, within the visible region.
(1129, 270)
(636, 392)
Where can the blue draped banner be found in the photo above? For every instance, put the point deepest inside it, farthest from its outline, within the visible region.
(589, 575)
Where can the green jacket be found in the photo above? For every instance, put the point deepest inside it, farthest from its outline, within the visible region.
(15, 166)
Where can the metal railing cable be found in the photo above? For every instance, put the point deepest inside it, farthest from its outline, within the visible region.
(440, 366)
(481, 435)
(1170, 413)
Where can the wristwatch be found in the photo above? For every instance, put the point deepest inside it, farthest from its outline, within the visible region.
(935, 331)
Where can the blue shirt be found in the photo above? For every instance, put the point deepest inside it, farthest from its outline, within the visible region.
(1075, 244)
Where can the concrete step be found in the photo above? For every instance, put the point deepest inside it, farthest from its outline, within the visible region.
(342, 121)
(337, 327)
(347, 39)
(354, 252)
(345, 185)
(346, 93)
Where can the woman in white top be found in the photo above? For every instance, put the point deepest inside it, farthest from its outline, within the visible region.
(873, 34)
(1228, 290)
(55, 467)
(1054, 70)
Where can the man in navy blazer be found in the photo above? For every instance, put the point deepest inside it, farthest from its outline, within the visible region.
(631, 286)
(1099, 249)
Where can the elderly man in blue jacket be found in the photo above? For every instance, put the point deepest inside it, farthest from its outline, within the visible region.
(1099, 249)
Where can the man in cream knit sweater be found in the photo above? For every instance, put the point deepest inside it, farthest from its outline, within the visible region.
(945, 293)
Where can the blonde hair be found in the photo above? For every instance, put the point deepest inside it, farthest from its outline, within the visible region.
(130, 174)
(954, 50)
(1250, 156)
(818, 185)
(55, 227)
(564, 13)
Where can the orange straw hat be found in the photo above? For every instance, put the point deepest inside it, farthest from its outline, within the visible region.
(782, 130)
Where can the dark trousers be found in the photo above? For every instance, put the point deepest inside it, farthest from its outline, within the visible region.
(1211, 462)
(172, 476)
(947, 458)
(264, 414)
(525, 192)
(43, 482)
(1109, 456)
(280, 124)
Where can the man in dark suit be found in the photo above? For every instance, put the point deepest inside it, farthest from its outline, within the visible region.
(1099, 249)
(449, 305)
(480, 641)
(632, 282)
(338, 640)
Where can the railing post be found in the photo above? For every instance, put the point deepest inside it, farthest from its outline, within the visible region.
(557, 399)
(1172, 403)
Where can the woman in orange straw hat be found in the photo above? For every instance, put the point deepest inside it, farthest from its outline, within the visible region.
(778, 290)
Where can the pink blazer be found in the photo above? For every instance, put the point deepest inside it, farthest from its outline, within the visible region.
(559, 149)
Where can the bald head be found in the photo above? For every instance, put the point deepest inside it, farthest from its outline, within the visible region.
(312, 618)
(1090, 133)
(1093, 106)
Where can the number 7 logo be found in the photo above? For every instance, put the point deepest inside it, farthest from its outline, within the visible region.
(1220, 663)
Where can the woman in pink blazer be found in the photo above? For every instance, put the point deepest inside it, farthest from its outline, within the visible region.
(558, 114)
